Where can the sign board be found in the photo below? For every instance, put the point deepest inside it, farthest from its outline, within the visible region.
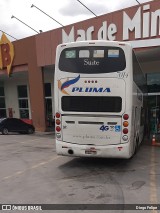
(144, 25)
(6, 53)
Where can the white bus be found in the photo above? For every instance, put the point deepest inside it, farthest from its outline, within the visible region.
(99, 108)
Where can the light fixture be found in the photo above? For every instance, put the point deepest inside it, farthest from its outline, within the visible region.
(87, 8)
(138, 2)
(46, 14)
(8, 34)
(24, 24)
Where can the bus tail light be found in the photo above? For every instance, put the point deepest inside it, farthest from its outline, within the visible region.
(58, 122)
(125, 116)
(58, 128)
(58, 125)
(125, 124)
(125, 131)
(58, 115)
(125, 128)
(125, 137)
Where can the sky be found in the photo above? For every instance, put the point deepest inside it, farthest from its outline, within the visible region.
(64, 11)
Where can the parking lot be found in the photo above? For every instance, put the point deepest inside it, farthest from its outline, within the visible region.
(31, 172)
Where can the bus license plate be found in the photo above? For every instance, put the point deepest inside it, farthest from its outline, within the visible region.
(90, 152)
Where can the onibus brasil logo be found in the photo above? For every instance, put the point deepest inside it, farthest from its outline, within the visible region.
(62, 87)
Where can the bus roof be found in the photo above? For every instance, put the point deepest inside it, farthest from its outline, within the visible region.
(93, 42)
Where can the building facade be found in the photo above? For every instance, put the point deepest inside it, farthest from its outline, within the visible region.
(27, 87)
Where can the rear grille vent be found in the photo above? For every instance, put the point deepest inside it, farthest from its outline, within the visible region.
(90, 122)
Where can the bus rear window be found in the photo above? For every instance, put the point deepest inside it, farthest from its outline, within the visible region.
(91, 104)
(92, 59)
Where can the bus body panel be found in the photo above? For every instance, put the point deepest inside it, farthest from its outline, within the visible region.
(111, 151)
(92, 130)
(89, 86)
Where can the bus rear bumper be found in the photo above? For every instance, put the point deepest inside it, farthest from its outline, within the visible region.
(110, 151)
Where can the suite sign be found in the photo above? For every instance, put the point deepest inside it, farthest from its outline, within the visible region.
(144, 25)
(6, 53)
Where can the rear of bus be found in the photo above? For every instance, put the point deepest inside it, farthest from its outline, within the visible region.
(93, 99)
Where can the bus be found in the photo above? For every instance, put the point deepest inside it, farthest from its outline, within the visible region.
(99, 99)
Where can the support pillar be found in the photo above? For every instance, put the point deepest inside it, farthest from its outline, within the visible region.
(36, 88)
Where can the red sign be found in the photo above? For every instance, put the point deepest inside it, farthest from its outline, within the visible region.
(6, 53)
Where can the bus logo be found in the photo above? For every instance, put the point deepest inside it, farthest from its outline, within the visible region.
(66, 84)
(91, 89)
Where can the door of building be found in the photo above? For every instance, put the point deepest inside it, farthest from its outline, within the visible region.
(154, 113)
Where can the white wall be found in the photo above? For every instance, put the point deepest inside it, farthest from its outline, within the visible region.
(11, 94)
(21, 78)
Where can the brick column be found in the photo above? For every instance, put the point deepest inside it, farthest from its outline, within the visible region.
(36, 88)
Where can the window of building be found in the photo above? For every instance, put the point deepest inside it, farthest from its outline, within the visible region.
(153, 82)
(142, 120)
(48, 102)
(2, 103)
(23, 101)
(47, 90)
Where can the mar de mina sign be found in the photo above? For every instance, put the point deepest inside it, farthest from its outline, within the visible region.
(144, 26)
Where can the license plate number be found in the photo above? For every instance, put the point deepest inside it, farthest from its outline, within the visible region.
(90, 152)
